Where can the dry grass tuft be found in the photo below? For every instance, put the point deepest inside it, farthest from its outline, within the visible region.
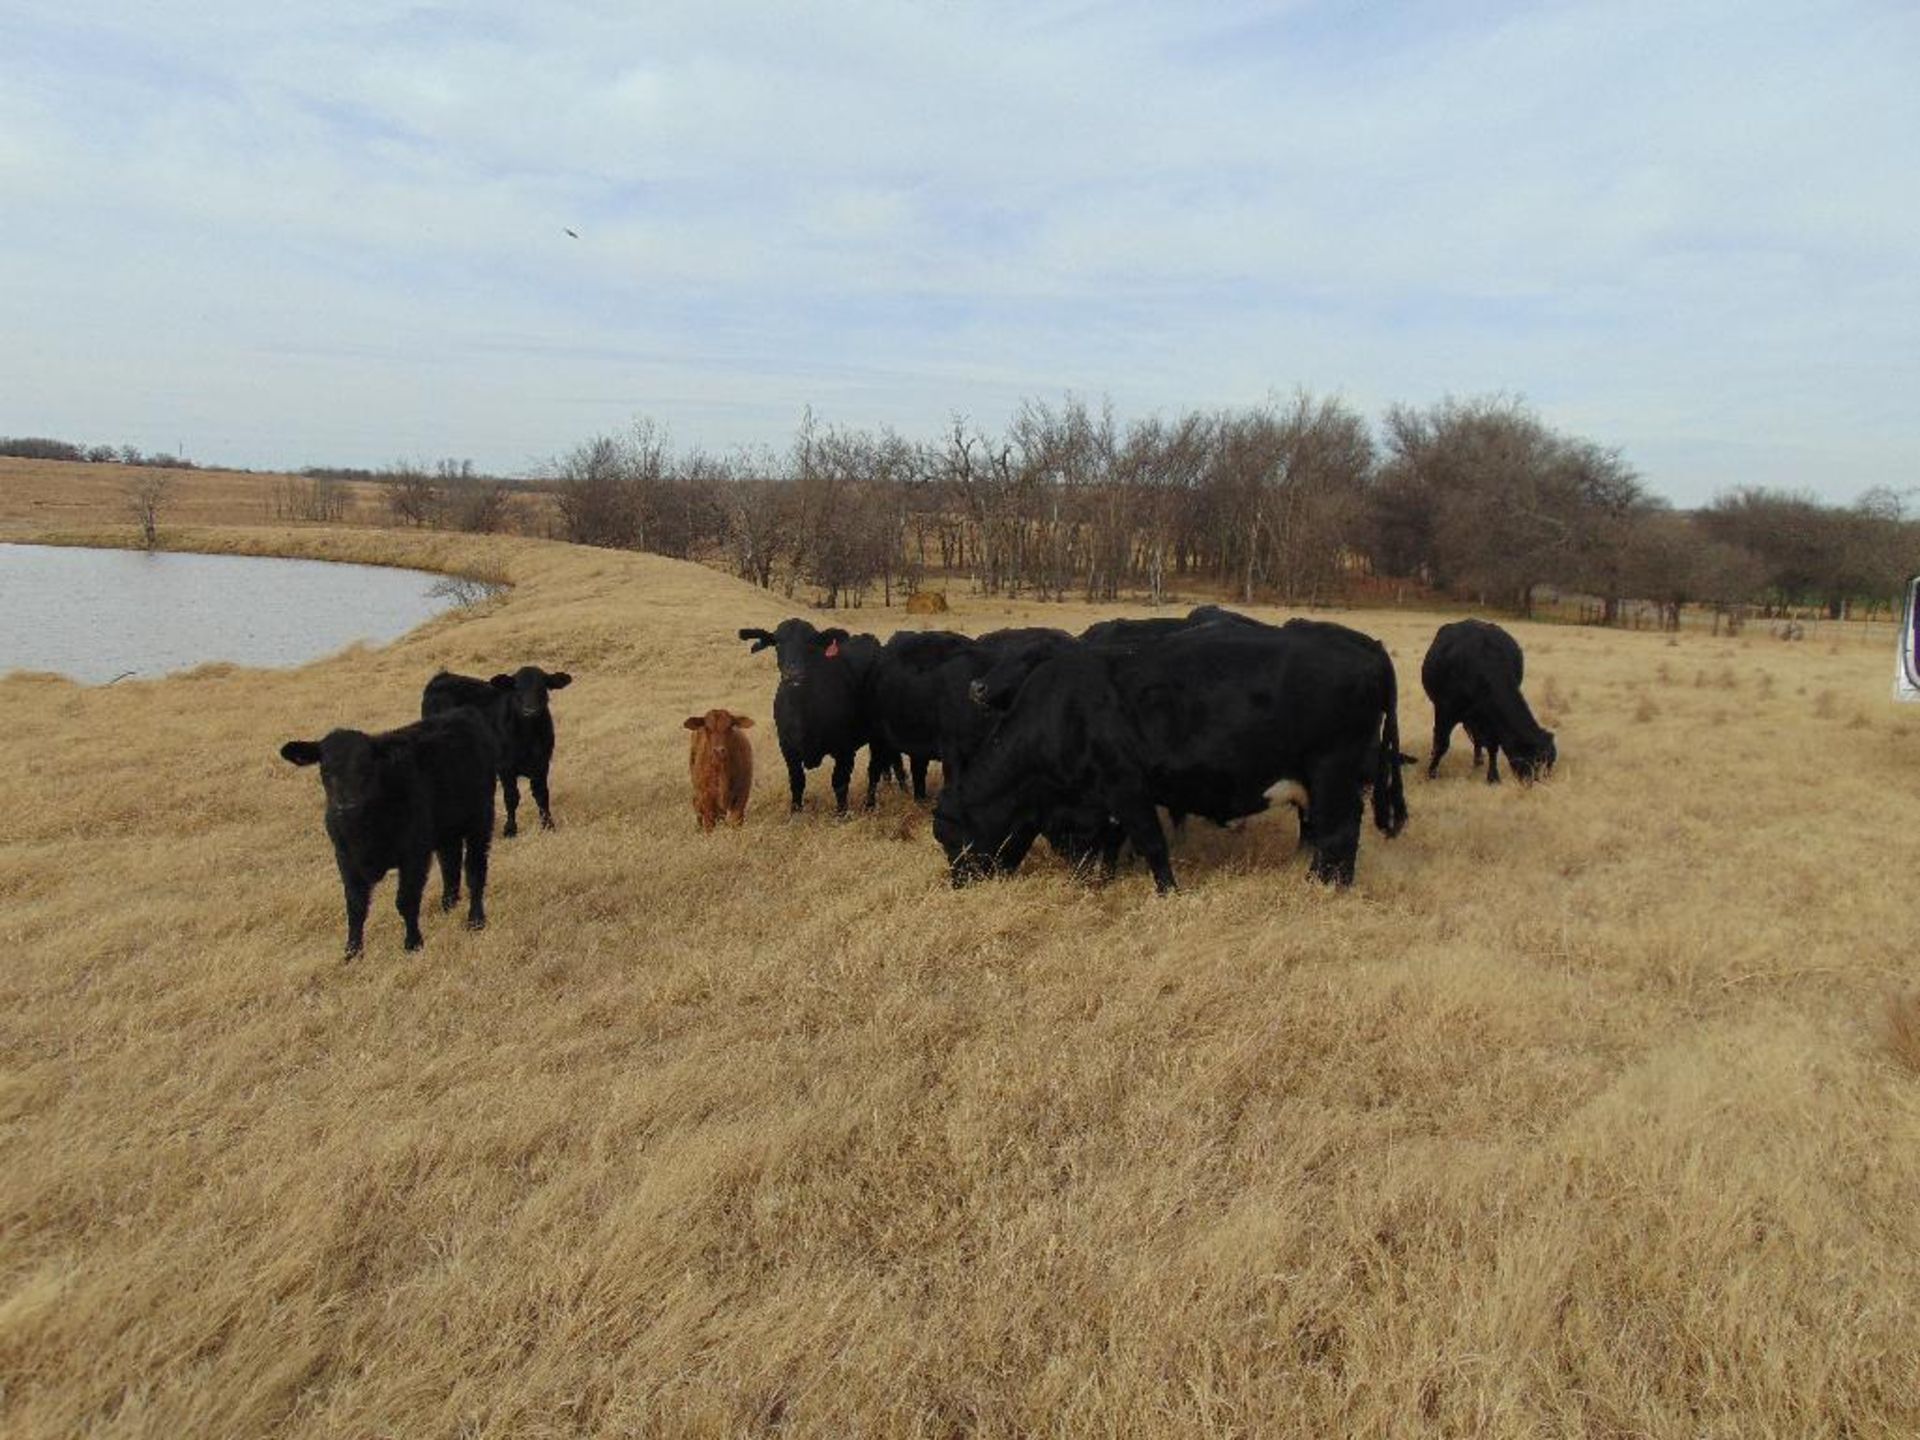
(1560, 1122)
(1902, 1029)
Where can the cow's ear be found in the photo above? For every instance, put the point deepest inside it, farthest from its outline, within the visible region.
(761, 639)
(301, 752)
(558, 679)
(743, 722)
(828, 637)
(695, 722)
(502, 682)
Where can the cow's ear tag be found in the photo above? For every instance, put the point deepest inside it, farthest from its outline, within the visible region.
(833, 649)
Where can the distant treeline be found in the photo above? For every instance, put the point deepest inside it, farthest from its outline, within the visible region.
(35, 447)
(1300, 500)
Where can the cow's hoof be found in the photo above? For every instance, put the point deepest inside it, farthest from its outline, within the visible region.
(415, 942)
(546, 822)
(447, 902)
(476, 922)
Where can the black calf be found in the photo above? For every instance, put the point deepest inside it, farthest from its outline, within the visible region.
(515, 708)
(397, 800)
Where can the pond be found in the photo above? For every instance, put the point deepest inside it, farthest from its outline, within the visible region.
(101, 615)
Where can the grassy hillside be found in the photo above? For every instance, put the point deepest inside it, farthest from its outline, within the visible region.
(1576, 1115)
(49, 495)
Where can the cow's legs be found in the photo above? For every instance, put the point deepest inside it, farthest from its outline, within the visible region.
(510, 792)
(920, 763)
(537, 783)
(1443, 723)
(1141, 823)
(449, 857)
(413, 883)
(478, 842)
(796, 778)
(359, 896)
(879, 763)
(842, 777)
(1337, 808)
(1493, 763)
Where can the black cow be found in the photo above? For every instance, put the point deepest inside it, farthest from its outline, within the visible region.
(906, 698)
(919, 694)
(515, 708)
(820, 707)
(1215, 720)
(995, 690)
(395, 801)
(1472, 674)
(1133, 632)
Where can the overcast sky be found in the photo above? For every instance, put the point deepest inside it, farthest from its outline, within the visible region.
(278, 235)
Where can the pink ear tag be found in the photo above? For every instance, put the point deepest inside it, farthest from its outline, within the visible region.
(833, 649)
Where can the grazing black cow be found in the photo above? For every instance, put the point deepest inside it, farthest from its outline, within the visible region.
(1216, 720)
(820, 704)
(395, 801)
(919, 694)
(516, 708)
(1472, 674)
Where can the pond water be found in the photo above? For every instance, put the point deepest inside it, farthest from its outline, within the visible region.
(98, 615)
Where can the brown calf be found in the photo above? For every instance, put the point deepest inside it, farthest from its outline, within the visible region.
(721, 763)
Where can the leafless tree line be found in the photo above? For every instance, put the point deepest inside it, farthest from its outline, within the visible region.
(40, 447)
(1298, 500)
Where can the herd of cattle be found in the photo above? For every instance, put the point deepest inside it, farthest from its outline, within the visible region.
(1077, 740)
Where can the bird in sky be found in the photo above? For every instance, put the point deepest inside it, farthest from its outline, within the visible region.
(575, 236)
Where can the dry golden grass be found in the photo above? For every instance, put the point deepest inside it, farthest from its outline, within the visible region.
(1575, 1116)
(48, 495)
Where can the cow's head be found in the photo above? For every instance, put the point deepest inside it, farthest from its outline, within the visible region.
(965, 861)
(527, 688)
(797, 647)
(996, 689)
(350, 767)
(1535, 761)
(978, 846)
(718, 726)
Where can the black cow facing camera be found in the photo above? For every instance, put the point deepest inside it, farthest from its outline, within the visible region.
(821, 706)
(516, 710)
(397, 800)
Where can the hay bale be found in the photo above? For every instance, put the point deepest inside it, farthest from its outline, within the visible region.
(927, 602)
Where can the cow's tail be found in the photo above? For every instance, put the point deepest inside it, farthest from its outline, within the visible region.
(1389, 792)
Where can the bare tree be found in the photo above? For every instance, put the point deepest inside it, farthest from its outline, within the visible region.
(414, 496)
(316, 498)
(598, 503)
(146, 495)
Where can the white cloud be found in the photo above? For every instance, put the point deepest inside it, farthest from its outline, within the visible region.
(300, 235)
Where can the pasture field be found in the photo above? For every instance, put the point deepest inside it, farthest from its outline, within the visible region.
(46, 495)
(1582, 1113)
